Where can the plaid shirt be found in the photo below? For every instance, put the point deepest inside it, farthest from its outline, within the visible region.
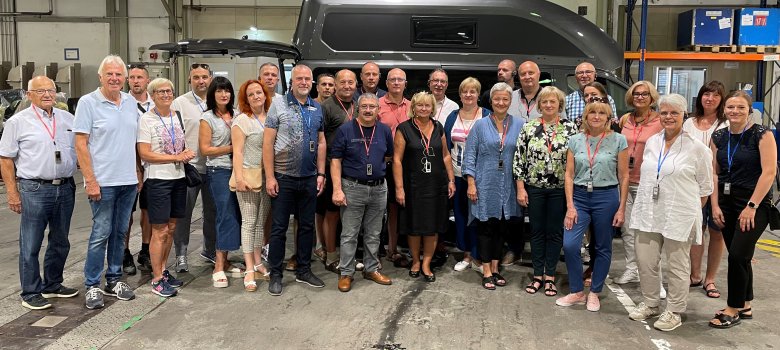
(575, 105)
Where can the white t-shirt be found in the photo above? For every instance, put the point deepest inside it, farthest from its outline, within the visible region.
(444, 108)
(165, 136)
(191, 108)
(702, 135)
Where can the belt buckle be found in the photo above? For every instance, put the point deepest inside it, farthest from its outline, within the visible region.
(56, 182)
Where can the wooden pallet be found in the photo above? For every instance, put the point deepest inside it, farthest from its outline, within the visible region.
(759, 49)
(711, 48)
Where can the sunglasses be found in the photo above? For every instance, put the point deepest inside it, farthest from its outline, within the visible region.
(199, 65)
(136, 65)
(598, 99)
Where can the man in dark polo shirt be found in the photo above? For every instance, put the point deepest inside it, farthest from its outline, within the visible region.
(359, 152)
(335, 111)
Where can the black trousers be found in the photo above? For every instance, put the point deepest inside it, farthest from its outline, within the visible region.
(490, 238)
(741, 244)
(546, 210)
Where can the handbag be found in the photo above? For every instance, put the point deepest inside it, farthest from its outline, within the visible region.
(252, 176)
(191, 175)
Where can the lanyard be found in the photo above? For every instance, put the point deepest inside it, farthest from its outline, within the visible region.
(729, 154)
(53, 130)
(592, 160)
(529, 104)
(426, 142)
(636, 135)
(465, 130)
(441, 108)
(198, 101)
(549, 141)
(502, 138)
(661, 160)
(223, 120)
(257, 119)
(171, 131)
(373, 130)
(351, 109)
(305, 115)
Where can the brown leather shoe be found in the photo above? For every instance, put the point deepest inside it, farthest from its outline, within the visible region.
(377, 277)
(345, 283)
(292, 264)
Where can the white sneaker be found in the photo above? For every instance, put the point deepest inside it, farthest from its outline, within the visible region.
(643, 312)
(628, 276)
(585, 253)
(663, 292)
(462, 265)
(668, 321)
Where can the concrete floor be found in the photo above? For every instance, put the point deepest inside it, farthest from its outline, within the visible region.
(452, 313)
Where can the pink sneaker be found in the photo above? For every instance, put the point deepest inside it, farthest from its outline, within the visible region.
(571, 299)
(593, 302)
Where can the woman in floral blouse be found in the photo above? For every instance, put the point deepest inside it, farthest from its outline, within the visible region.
(539, 165)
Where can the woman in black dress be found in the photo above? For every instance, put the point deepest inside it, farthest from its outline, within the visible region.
(423, 181)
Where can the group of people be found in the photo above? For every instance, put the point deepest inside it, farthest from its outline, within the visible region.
(565, 163)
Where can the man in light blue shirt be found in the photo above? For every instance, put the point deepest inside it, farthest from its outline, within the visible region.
(106, 126)
(37, 146)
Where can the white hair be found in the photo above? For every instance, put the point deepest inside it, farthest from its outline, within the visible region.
(675, 101)
(112, 59)
(500, 87)
(158, 83)
(30, 82)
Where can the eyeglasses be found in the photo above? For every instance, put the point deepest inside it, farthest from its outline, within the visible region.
(199, 65)
(598, 99)
(368, 107)
(41, 92)
(164, 92)
(584, 72)
(136, 65)
(640, 94)
(396, 80)
(438, 81)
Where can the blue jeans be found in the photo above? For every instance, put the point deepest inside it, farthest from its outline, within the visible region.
(110, 220)
(365, 209)
(465, 235)
(228, 219)
(297, 195)
(598, 207)
(44, 205)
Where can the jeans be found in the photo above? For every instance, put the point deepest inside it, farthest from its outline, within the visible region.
(110, 220)
(365, 208)
(465, 234)
(599, 207)
(629, 235)
(491, 238)
(181, 235)
(546, 211)
(297, 195)
(228, 221)
(44, 205)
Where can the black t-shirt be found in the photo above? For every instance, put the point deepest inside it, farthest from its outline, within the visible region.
(334, 115)
(746, 160)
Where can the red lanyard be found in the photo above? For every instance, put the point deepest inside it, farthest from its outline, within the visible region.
(550, 140)
(591, 160)
(351, 109)
(467, 131)
(528, 106)
(636, 140)
(503, 137)
(53, 130)
(426, 143)
(368, 144)
(223, 119)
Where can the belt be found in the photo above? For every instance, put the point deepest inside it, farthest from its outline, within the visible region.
(55, 182)
(365, 182)
(596, 188)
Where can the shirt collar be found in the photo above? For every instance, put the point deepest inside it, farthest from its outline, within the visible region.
(43, 111)
(101, 98)
(291, 100)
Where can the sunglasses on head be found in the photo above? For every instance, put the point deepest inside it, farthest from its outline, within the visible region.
(598, 99)
(199, 65)
(137, 65)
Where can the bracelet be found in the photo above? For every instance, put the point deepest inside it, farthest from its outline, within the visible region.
(321, 174)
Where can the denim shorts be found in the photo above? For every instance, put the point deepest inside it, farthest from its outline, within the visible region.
(707, 218)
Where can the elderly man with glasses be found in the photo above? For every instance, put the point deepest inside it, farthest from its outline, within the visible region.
(585, 73)
(37, 146)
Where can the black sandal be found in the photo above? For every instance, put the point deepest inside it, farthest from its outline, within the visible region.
(549, 288)
(532, 286)
(487, 283)
(711, 291)
(726, 321)
(742, 313)
(498, 280)
(399, 260)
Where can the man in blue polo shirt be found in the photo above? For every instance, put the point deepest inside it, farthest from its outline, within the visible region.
(359, 153)
(106, 126)
(294, 163)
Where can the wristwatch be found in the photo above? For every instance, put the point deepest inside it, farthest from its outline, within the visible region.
(752, 205)
(321, 174)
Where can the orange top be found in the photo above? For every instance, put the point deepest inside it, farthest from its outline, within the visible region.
(637, 136)
(392, 114)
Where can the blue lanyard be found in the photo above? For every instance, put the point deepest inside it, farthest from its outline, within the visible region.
(304, 114)
(171, 131)
(729, 154)
(262, 126)
(197, 100)
(661, 160)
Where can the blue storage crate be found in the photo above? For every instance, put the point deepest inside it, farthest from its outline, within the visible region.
(757, 26)
(705, 27)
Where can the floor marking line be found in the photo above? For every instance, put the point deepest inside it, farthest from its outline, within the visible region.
(629, 305)
(769, 242)
(768, 248)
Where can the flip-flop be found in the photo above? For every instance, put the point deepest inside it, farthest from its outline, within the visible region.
(710, 292)
(697, 284)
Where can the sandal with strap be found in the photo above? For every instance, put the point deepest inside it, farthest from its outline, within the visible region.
(219, 279)
(711, 292)
(251, 285)
(726, 321)
(487, 283)
(549, 288)
(499, 280)
(261, 273)
(743, 314)
(697, 284)
(532, 287)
